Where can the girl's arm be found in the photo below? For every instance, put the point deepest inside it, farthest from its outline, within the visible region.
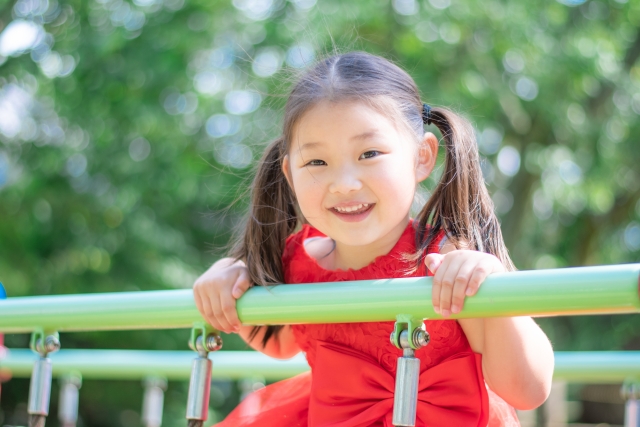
(215, 294)
(517, 358)
(281, 346)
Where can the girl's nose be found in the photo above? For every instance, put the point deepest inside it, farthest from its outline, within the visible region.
(344, 181)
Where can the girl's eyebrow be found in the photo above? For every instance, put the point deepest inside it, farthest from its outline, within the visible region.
(362, 136)
(365, 135)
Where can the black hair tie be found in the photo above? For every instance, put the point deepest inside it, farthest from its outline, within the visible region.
(426, 114)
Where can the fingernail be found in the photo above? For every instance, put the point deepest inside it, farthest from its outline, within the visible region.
(436, 309)
(469, 292)
(455, 308)
(431, 266)
(446, 313)
(236, 329)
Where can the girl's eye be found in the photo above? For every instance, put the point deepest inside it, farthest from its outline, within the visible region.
(316, 162)
(369, 154)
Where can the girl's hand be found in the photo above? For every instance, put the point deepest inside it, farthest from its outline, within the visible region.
(216, 292)
(457, 274)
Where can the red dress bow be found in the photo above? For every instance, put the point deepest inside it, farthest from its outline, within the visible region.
(350, 389)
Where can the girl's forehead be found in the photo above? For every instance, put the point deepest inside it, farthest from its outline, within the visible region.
(344, 118)
(344, 121)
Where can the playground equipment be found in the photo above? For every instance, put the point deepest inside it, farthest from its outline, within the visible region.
(155, 368)
(571, 291)
(592, 367)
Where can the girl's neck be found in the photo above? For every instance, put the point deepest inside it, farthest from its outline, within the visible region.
(345, 256)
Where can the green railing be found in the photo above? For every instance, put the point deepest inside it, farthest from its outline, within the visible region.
(572, 366)
(138, 364)
(569, 291)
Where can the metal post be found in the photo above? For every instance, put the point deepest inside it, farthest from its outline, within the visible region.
(40, 387)
(405, 398)
(68, 401)
(631, 393)
(153, 401)
(3, 350)
(251, 404)
(555, 407)
(202, 341)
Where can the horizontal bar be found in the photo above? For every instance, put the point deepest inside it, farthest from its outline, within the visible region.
(138, 364)
(597, 366)
(568, 291)
(573, 366)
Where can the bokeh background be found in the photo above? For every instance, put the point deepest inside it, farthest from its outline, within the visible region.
(129, 129)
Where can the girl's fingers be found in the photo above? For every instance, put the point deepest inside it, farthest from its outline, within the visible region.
(461, 284)
(207, 312)
(447, 277)
(444, 280)
(218, 312)
(433, 261)
(480, 273)
(199, 305)
(228, 304)
(197, 300)
(436, 288)
(484, 268)
(241, 286)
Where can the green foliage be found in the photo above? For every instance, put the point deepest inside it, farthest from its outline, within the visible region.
(128, 131)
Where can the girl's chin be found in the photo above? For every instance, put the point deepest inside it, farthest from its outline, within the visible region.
(357, 237)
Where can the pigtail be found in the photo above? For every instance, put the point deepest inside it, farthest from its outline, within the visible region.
(460, 204)
(272, 217)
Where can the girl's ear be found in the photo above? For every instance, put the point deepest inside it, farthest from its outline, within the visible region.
(286, 170)
(427, 155)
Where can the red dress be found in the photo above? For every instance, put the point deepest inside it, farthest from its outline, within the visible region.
(353, 365)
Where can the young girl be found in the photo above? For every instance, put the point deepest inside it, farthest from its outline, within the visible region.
(331, 202)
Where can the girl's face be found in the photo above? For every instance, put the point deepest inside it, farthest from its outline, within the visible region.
(354, 173)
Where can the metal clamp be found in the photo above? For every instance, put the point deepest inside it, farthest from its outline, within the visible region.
(42, 343)
(408, 335)
(203, 340)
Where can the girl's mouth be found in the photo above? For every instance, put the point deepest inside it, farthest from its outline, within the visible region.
(353, 213)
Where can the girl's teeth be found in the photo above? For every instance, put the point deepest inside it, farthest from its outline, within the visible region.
(352, 208)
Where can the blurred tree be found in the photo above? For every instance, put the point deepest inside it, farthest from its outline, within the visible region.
(128, 130)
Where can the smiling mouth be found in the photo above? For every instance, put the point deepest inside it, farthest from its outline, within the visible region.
(353, 210)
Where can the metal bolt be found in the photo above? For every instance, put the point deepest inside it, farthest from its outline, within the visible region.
(213, 342)
(420, 338)
(51, 344)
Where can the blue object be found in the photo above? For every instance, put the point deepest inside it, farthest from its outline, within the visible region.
(3, 294)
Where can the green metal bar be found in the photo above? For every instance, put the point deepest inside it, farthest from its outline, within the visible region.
(569, 291)
(138, 364)
(585, 367)
(597, 366)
